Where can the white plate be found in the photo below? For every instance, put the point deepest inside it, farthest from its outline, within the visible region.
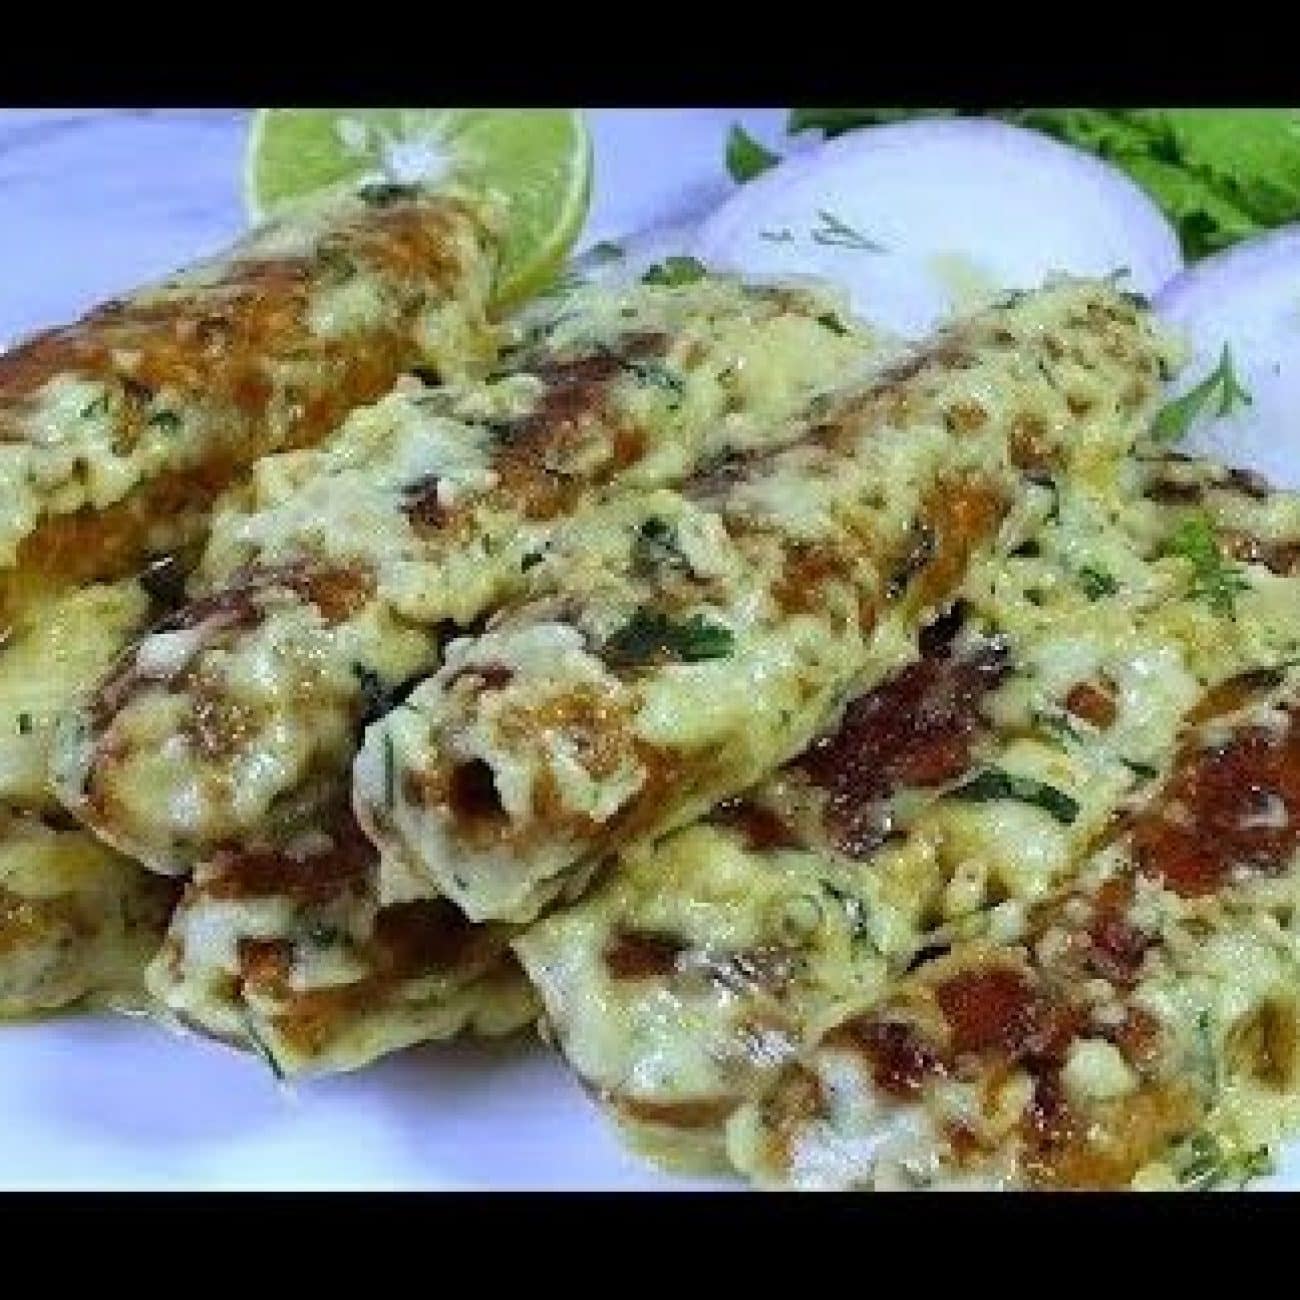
(92, 204)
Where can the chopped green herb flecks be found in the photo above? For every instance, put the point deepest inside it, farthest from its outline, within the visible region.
(855, 910)
(675, 271)
(606, 250)
(996, 784)
(746, 158)
(838, 233)
(1143, 771)
(1214, 578)
(381, 194)
(374, 696)
(136, 393)
(24, 724)
(655, 546)
(324, 936)
(1175, 418)
(650, 636)
(1096, 583)
(832, 322)
(260, 1046)
(1200, 1163)
(565, 283)
(92, 410)
(1056, 725)
(336, 262)
(835, 121)
(167, 421)
(390, 773)
(659, 376)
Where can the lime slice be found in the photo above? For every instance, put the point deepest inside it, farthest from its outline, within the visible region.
(536, 163)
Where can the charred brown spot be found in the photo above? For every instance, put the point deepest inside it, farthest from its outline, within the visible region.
(472, 793)
(1094, 702)
(421, 506)
(1263, 1043)
(1065, 1149)
(789, 1108)
(266, 964)
(530, 460)
(1138, 1037)
(759, 827)
(348, 862)
(1280, 557)
(807, 571)
(1116, 947)
(916, 729)
(427, 935)
(1228, 811)
(1172, 492)
(219, 348)
(1232, 694)
(989, 1009)
(902, 1059)
(703, 1113)
(337, 593)
(1049, 1122)
(962, 514)
(1031, 446)
(965, 417)
(592, 727)
(642, 954)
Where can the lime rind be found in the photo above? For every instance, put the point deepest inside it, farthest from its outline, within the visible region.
(533, 166)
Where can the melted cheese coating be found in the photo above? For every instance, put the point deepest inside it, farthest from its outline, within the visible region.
(76, 920)
(330, 577)
(678, 646)
(287, 953)
(1138, 1025)
(59, 647)
(118, 430)
(1139, 1029)
(700, 970)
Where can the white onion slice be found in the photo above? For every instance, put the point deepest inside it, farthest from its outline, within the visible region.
(960, 211)
(1249, 299)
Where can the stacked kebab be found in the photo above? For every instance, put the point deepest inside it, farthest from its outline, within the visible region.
(648, 641)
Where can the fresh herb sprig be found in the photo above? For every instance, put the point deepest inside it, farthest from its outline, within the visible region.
(1201, 1163)
(650, 636)
(1214, 578)
(994, 784)
(837, 233)
(1175, 418)
(1096, 583)
(746, 158)
(655, 546)
(675, 271)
